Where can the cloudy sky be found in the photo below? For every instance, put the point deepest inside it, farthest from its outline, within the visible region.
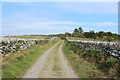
(20, 18)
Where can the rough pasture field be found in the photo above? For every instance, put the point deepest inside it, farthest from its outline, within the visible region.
(30, 37)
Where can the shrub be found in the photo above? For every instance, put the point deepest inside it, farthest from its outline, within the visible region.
(111, 61)
(17, 48)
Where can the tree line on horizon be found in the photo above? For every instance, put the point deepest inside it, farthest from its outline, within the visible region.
(101, 35)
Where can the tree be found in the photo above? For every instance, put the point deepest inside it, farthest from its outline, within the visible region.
(90, 34)
(109, 34)
(86, 34)
(76, 30)
(80, 30)
(67, 34)
(93, 34)
(100, 34)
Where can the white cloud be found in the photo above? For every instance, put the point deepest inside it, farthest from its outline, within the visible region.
(60, 25)
(38, 28)
(55, 27)
(44, 25)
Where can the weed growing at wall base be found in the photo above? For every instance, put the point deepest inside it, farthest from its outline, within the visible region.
(103, 66)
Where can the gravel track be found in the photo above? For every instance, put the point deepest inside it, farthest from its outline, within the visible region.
(35, 69)
(52, 64)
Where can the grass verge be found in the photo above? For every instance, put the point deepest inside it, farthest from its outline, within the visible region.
(16, 65)
(83, 68)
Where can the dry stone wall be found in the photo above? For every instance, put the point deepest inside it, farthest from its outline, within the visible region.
(10, 45)
(109, 48)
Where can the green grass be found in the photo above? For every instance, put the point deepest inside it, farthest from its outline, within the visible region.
(83, 68)
(16, 64)
(84, 39)
(29, 37)
(56, 68)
